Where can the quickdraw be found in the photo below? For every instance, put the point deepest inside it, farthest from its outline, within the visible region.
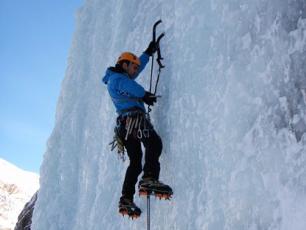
(117, 142)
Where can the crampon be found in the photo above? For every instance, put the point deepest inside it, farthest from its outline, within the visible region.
(155, 188)
(128, 208)
(157, 194)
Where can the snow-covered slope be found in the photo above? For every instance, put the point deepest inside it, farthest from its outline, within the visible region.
(232, 117)
(16, 189)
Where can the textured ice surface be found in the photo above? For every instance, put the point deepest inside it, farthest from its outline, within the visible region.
(232, 117)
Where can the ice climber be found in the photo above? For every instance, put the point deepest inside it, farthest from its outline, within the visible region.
(133, 128)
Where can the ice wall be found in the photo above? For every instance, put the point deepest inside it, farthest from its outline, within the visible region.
(232, 117)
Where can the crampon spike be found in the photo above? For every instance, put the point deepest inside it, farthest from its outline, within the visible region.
(135, 216)
(163, 196)
(123, 212)
(143, 193)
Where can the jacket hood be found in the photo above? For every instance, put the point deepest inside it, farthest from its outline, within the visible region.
(110, 71)
(107, 75)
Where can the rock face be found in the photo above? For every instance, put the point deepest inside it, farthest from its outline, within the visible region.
(25, 217)
(16, 188)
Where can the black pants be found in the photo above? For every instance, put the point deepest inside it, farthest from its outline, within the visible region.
(153, 149)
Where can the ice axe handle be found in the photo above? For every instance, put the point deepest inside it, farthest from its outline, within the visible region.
(159, 57)
(154, 29)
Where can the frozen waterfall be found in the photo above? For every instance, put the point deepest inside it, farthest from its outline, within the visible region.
(232, 117)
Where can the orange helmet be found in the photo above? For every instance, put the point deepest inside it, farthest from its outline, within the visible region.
(127, 56)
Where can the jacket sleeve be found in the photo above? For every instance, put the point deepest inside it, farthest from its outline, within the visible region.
(130, 88)
(144, 58)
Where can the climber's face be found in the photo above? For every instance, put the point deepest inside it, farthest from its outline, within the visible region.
(130, 68)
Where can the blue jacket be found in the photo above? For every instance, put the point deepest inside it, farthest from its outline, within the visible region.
(125, 92)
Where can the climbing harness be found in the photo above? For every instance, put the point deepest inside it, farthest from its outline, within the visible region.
(131, 123)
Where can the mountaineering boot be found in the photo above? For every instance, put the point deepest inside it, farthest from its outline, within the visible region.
(128, 207)
(148, 186)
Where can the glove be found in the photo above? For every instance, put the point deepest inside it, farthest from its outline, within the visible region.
(152, 48)
(149, 98)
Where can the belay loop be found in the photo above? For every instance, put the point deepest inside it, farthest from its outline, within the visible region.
(158, 60)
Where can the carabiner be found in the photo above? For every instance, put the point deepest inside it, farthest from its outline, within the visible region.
(139, 131)
(139, 134)
(146, 133)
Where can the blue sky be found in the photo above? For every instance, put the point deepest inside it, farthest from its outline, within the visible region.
(34, 44)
